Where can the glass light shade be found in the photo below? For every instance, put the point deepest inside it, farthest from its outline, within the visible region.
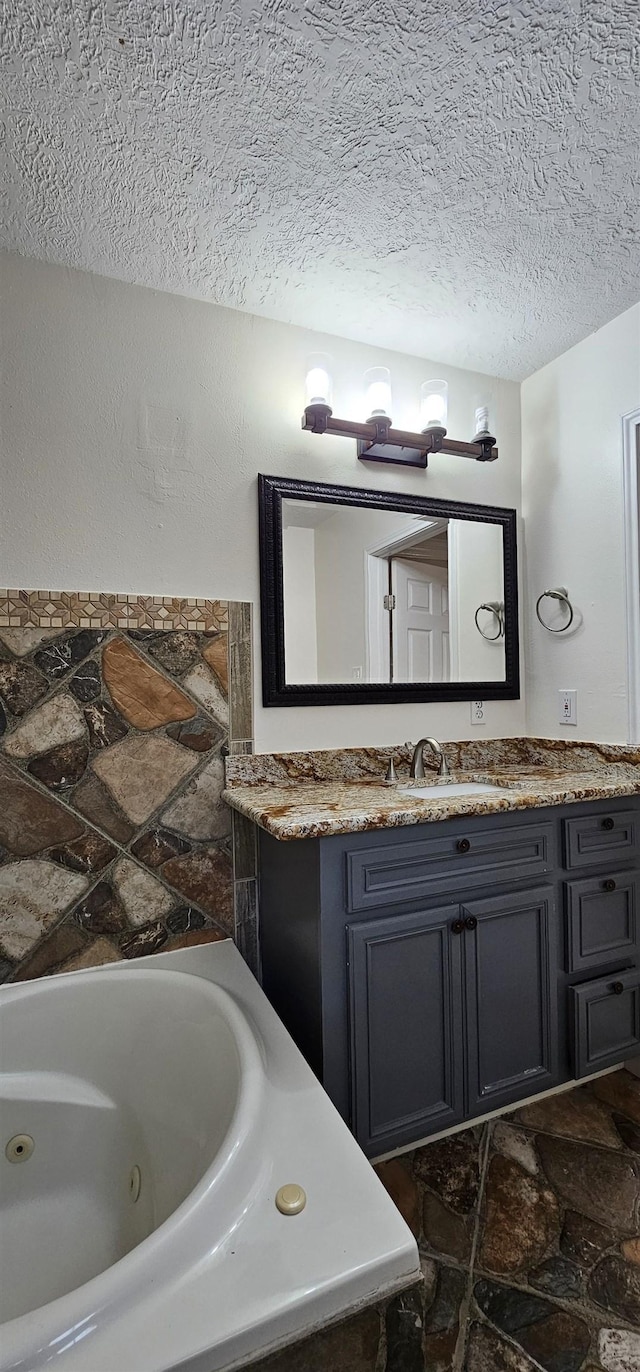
(433, 404)
(482, 424)
(318, 387)
(377, 386)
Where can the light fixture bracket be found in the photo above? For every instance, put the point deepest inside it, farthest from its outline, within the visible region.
(377, 441)
(390, 452)
(316, 418)
(381, 424)
(486, 441)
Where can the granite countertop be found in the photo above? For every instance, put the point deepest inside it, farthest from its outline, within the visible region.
(297, 795)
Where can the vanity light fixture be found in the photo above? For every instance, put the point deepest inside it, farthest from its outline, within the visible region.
(376, 439)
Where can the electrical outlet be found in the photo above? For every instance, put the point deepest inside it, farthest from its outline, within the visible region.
(477, 712)
(568, 707)
(356, 673)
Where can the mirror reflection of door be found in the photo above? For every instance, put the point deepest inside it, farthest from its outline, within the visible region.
(342, 568)
(417, 567)
(420, 621)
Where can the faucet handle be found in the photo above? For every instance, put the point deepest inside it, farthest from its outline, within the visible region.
(391, 771)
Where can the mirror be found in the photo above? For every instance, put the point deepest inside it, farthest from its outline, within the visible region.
(369, 597)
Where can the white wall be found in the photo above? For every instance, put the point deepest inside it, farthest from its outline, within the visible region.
(573, 510)
(134, 424)
(299, 582)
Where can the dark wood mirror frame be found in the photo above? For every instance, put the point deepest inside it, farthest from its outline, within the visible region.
(275, 691)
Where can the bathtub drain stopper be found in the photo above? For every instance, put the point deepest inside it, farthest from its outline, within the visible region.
(135, 1182)
(19, 1148)
(291, 1199)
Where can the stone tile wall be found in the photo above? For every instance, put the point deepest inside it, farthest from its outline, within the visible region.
(116, 713)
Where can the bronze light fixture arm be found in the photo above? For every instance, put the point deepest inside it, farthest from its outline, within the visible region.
(378, 442)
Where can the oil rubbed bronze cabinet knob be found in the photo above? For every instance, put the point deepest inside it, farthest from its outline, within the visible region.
(607, 823)
(471, 922)
(458, 926)
(618, 988)
(463, 845)
(609, 884)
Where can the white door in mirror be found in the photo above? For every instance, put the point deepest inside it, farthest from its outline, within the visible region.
(420, 621)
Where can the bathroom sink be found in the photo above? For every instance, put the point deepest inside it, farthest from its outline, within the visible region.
(151, 1112)
(444, 790)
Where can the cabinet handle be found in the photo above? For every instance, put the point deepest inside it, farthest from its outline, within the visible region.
(609, 884)
(608, 823)
(617, 988)
(471, 922)
(458, 926)
(463, 845)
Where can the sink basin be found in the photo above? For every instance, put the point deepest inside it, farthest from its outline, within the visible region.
(445, 791)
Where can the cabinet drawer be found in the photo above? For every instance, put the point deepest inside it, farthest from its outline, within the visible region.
(602, 920)
(606, 1021)
(446, 862)
(595, 840)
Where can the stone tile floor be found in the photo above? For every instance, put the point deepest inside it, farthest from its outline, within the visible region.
(529, 1234)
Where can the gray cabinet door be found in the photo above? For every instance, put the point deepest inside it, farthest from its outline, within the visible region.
(406, 1027)
(510, 963)
(606, 1021)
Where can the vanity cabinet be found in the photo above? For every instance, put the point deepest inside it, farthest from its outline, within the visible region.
(437, 972)
(473, 987)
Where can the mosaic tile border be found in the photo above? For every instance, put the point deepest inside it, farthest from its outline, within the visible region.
(107, 610)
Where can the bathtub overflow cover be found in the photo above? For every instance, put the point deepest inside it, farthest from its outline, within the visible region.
(291, 1199)
(19, 1148)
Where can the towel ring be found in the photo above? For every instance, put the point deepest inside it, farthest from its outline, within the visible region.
(495, 608)
(558, 593)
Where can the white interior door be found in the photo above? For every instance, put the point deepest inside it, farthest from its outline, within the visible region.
(420, 632)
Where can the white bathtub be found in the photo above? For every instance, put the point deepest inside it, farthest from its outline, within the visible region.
(167, 1105)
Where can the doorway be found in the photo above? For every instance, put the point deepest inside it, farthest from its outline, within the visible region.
(412, 633)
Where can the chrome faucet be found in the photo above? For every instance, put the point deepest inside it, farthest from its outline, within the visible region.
(417, 762)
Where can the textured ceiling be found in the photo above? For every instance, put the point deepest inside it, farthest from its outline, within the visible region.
(453, 179)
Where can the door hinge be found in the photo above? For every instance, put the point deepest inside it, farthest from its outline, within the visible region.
(389, 602)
